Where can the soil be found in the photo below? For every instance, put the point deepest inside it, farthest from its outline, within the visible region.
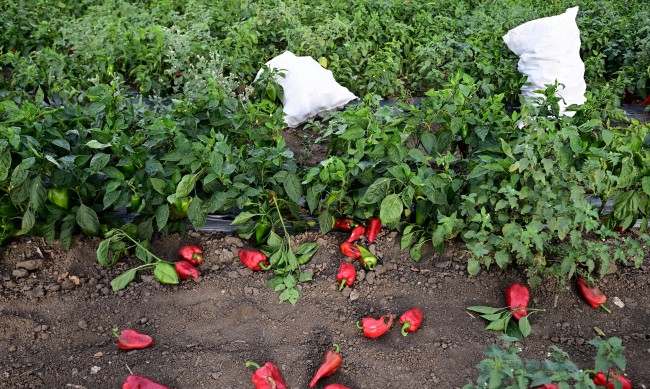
(57, 312)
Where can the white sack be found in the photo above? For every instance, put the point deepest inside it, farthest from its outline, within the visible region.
(309, 89)
(549, 50)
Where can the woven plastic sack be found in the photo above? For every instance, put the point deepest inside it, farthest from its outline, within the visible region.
(309, 89)
(549, 50)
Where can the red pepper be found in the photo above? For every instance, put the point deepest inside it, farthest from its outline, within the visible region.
(135, 381)
(255, 260)
(411, 320)
(132, 339)
(600, 379)
(336, 386)
(356, 233)
(593, 295)
(374, 328)
(186, 270)
(549, 386)
(517, 297)
(350, 250)
(191, 254)
(267, 376)
(330, 365)
(346, 275)
(368, 261)
(344, 224)
(646, 102)
(373, 225)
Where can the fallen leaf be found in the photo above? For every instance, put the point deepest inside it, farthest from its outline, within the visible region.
(74, 279)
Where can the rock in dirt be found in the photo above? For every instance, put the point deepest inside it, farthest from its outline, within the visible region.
(20, 273)
(32, 264)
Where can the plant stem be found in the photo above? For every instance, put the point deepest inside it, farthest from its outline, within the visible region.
(124, 234)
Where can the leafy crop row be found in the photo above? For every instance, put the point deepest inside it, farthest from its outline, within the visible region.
(151, 107)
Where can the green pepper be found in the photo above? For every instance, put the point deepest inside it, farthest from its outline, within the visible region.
(262, 231)
(179, 207)
(421, 211)
(136, 200)
(464, 131)
(59, 197)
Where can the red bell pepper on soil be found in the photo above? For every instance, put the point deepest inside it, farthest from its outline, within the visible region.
(336, 386)
(368, 261)
(346, 275)
(132, 339)
(373, 225)
(356, 233)
(253, 259)
(374, 328)
(600, 379)
(186, 270)
(135, 381)
(330, 365)
(191, 254)
(411, 320)
(350, 250)
(344, 224)
(517, 297)
(593, 295)
(267, 376)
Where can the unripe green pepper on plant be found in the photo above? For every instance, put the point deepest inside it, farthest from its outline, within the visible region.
(59, 197)
(179, 207)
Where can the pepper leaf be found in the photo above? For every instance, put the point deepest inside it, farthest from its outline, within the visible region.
(524, 326)
(165, 273)
(120, 282)
(484, 309)
(391, 209)
(497, 325)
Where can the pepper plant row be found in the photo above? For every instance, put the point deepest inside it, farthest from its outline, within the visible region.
(78, 145)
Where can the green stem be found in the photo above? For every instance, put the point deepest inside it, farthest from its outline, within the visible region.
(605, 308)
(337, 349)
(343, 282)
(253, 364)
(284, 227)
(405, 327)
(140, 245)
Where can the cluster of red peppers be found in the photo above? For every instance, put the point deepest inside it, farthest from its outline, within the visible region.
(350, 249)
(374, 328)
(191, 257)
(268, 376)
(601, 379)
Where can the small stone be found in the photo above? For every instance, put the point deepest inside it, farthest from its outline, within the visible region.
(361, 275)
(53, 288)
(105, 291)
(143, 320)
(67, 285)
(233, 241)
(20, 273)
(370, 278)
(354, 295)
(12, 348)
(618, 302)
(82, 324)
(33, 264)
(95, 369)
(443, 264)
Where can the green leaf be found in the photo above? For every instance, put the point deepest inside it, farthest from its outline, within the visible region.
(293, 187)
(186, 185)
(307, 248)
(524, 326)
(473, 266)
(497, 325)
(165, 273)
(5, 161)
(502, 258)
(391, 209)
(196, 213)
(274, 240)
(120, 282)
(162, 216)
(161, 186)
(93, 144)
(99, 161)
(21, 171)
(429, 142)
(484, 309)
(29, 219)
(103, 252)
(243, 217)
(416, 251)
(376, 191)
(325, 221)
(291, 295)
(305, 276)
(492, 316)
(88, 221)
